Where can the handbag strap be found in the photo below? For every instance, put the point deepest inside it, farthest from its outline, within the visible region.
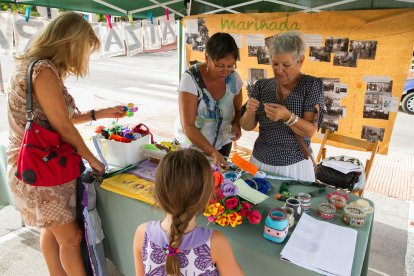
(303, 148)
(29, 95)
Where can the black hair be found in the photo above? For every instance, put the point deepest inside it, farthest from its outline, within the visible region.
(221, 45)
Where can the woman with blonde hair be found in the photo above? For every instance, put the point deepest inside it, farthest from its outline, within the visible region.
(62, 49)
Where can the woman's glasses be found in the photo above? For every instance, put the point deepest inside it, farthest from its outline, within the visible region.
(223, 68)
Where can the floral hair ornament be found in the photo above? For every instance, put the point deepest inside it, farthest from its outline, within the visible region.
(170, 251)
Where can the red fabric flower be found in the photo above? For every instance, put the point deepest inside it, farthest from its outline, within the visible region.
(245, 210)
(219, 194)
(231, 203)
(255, 217)
(218, 178)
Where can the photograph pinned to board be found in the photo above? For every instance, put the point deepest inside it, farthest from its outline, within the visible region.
(346, 59)
(364, 49)
(329, 122)
(372, 134)
(329, 84)
(341, 89)
(254, 75)
(393, 103)
(321, 54)
(376, 105)
(337, 44)
(256, 48)
(313, 40)
(333, 92)
(197, 33)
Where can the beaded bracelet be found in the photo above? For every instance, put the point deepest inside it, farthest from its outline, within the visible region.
(354, 216)
(326, 210)
(292, 115)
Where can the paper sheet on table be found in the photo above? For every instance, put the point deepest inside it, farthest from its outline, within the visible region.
(321, 246)
(248, 193)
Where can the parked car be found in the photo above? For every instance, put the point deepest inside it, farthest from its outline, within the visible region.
(407, 98)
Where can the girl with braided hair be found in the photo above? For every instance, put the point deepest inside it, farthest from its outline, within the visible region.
(176, 245)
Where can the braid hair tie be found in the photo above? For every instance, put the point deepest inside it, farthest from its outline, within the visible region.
(170, 251)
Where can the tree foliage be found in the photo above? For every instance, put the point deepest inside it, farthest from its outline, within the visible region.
(19, 8)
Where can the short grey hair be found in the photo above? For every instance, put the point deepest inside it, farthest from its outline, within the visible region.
(288, 43)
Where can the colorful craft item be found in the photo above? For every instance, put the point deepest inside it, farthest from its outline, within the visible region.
(244, 165)
(151, 147)
(168, 145)
(354, 216)
(143, 130)
(130, 109)
(326, 210)
(290, 215)
(232, 175)
(114, 128)
(305, 201)
(99, 129)
(260, 184)
(338, 199)
(119, 138)
(296, 206)
(227, 208)
(276, 225)
(362, 203)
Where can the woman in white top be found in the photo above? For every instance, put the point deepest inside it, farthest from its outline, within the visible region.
(210, 100)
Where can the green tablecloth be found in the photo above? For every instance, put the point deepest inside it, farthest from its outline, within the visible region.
(121, 215)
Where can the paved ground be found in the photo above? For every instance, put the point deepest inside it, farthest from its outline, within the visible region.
(150, 81)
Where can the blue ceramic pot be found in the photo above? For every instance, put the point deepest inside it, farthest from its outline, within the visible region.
(276, 225)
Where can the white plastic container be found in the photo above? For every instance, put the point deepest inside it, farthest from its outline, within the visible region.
(122, 154)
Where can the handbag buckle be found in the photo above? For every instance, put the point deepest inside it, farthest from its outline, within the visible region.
(51, 155)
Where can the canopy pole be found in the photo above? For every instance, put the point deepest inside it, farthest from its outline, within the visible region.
(1, 82)
(180, 48)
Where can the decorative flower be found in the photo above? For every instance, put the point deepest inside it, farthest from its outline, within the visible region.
(245, 209)
(228, 188)
(219, 194)
(226, 207)
(218, 178)
(234, 219)
(213, 209)
(255, 217)
(222, 220)
(231, 203)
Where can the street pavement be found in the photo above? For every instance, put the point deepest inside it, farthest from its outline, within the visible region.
(150, 81)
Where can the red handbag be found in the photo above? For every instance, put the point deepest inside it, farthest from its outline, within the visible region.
(44, 158)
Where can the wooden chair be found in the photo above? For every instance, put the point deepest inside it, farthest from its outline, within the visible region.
(359, 143)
